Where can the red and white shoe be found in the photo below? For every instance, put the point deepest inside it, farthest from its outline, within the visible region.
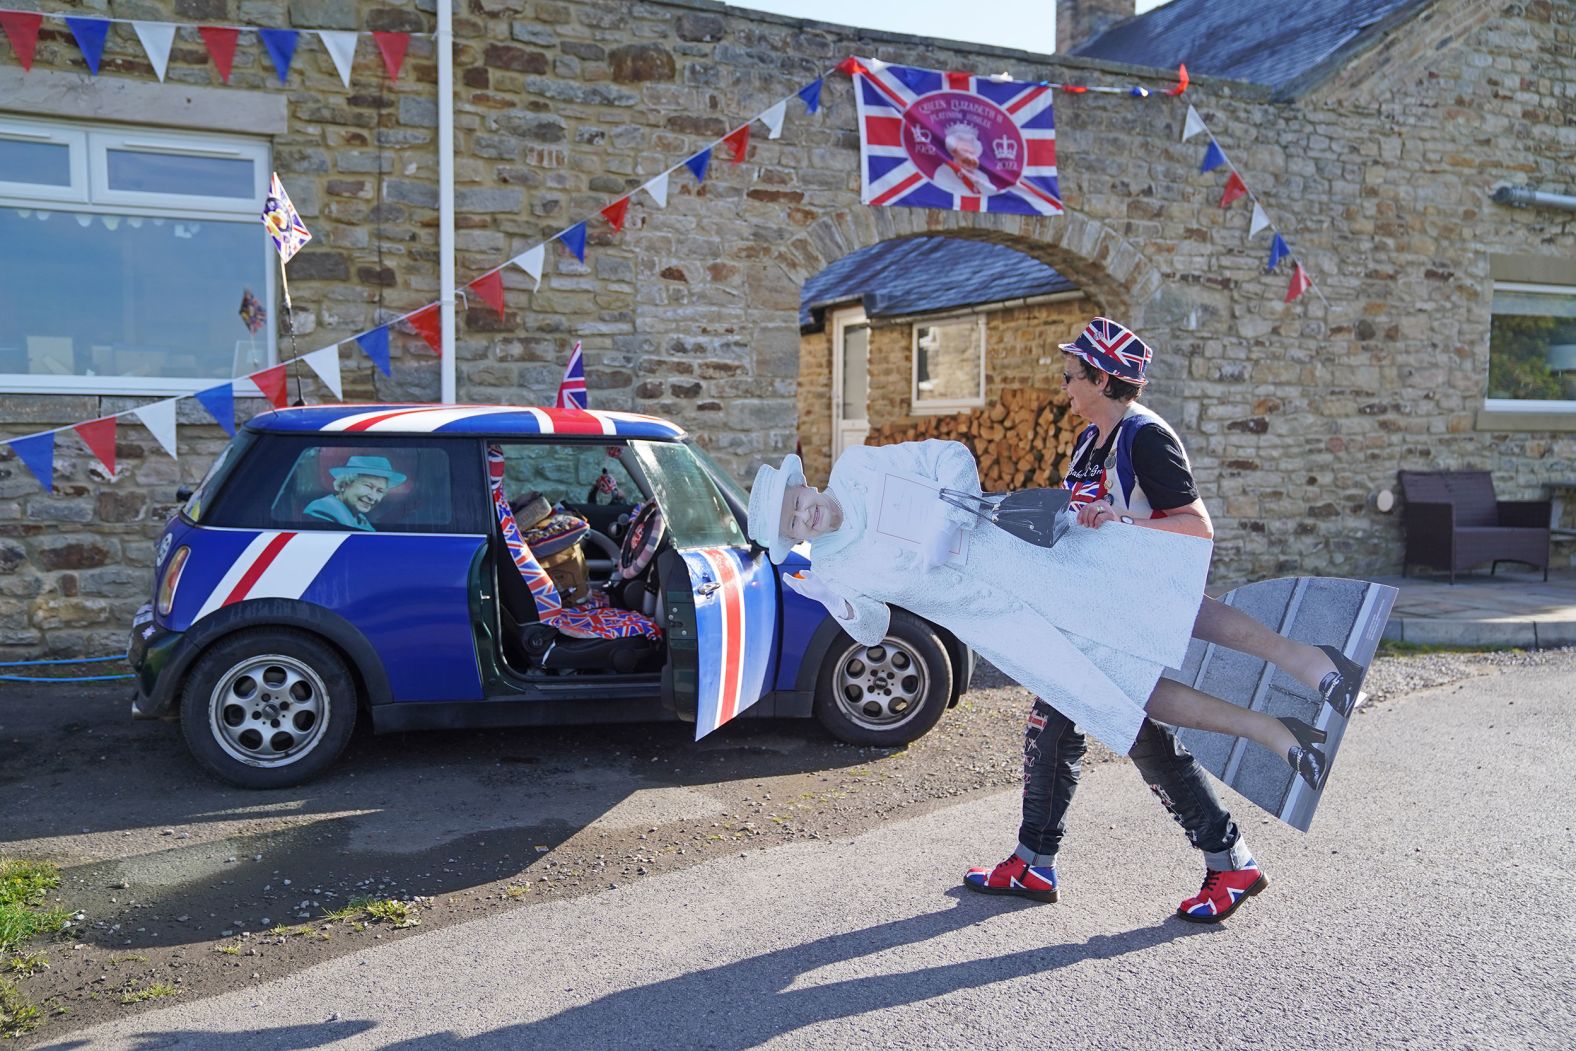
(1222, 892)
(1016, 877)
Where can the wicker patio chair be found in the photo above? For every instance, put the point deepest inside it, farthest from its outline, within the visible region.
(1454, 522)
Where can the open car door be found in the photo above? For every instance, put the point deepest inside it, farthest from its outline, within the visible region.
(721, 628)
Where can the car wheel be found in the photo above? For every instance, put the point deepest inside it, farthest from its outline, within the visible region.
(268, 708)
(888, 694)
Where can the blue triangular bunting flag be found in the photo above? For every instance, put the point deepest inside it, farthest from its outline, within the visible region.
(811, 94)
(281, 45)
(220, 403)
(1214, 157)
(698, 164)
(575, 238)
(38, 452)
(1278, 251)
(376, 345)
(90, 33)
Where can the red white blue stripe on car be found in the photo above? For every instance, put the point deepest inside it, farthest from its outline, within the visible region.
(466, 419)
(735, 600)
(407, 594)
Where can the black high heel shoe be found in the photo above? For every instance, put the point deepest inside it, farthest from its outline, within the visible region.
(1340, 688)
(1311, 764)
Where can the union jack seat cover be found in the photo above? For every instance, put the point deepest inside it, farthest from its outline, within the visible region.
(590, 621)
(1111, 347)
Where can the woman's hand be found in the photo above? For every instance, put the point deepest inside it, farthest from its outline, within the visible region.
(1096, 514)
(937, 533)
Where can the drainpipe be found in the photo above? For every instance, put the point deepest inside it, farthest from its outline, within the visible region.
(445, 45)
(1521, 197)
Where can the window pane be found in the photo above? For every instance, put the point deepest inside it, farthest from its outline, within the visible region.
(86, 294)
(567, 474)
(856, 372)
(694, 509)
(176, 174)
(947, 366)
(41, 163)
(1532, 346)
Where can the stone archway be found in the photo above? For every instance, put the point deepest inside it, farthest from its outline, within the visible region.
(1112, 277)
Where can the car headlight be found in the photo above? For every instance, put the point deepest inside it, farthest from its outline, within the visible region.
(172, 579)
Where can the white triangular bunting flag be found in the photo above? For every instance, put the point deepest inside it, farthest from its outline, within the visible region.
(531, 262)
(341, 47)
(156, 39)
(325, 363)
(1260, 220)
(159, 418)
(1193, 125)
(774, 118)
(658, 188)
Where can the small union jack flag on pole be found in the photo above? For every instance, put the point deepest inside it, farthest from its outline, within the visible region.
(955, 141)
(572, 389)
(283, 221)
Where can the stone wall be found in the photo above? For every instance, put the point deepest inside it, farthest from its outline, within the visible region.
(1294, 414)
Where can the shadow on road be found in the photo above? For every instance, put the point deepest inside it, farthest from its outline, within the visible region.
(181, 857)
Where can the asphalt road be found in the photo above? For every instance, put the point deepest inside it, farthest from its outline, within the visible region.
(1430, 906)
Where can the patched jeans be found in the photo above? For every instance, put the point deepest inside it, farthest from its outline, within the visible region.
(1053, 751)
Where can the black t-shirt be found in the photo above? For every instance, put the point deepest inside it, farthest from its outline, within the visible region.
(1158, 462)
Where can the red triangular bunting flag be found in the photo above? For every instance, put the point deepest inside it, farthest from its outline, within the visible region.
(274, 386)
(426, 322)
(1299, 283)
(221, 47)
(22, 29)
(615, 213)
(1181, 80)
(1235, 188)
(851, 66)
(490, 288)
(100, 437)
(738, 140)
(392, 46)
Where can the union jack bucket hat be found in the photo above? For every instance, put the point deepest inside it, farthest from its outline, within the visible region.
(1111, 347)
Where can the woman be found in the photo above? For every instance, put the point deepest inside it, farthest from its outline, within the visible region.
(1089, 624)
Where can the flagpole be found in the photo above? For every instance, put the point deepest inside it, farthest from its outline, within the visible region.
(295, 351)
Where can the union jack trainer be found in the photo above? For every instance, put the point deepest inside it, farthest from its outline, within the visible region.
(1222, 892)
(1016, 877)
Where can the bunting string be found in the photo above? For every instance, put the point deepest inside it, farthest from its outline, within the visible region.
(1237, 187)
(91, 33)
(36, 450)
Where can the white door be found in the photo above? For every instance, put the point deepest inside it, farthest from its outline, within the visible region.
(850, 379)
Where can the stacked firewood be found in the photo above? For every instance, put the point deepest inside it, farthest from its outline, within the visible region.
(1023, 441)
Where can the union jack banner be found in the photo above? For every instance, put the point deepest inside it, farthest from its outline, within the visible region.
(954, 141)
(283, 221)
(572, 388)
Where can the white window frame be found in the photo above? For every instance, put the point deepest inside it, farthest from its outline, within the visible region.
(1526, 404)
(935, 407)
(90, 195)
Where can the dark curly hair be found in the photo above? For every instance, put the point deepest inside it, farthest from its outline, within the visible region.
(1117, 389)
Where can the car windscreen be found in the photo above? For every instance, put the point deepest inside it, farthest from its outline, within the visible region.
(695, 511)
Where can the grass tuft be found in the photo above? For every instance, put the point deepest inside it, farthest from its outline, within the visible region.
(156, 991)
(23, 885)
(18, 1015)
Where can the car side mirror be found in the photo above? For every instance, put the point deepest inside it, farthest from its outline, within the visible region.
(184, 493)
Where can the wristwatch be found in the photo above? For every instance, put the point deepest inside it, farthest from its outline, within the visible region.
(1126, 519)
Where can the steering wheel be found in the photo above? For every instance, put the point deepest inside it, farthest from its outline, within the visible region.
(605, 565)
(647, 530)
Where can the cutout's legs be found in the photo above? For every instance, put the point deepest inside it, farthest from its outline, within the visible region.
(1227, 626)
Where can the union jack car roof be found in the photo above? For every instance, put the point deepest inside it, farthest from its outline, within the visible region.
(502, 420)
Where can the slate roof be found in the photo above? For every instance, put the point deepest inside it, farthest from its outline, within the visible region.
(923, 275)
(1272, 42)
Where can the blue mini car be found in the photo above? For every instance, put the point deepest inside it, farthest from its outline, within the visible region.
(349, 560)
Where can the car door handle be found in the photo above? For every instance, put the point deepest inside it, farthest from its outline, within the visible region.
(708, 587)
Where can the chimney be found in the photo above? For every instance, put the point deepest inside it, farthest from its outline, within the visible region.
(1079, 21)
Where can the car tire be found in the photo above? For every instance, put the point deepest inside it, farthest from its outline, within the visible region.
(268, 708)
(888, 694)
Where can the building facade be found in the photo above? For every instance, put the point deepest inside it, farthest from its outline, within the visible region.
(1382, 172)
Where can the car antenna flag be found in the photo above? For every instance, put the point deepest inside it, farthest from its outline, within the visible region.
(289, 235)
(572, 388)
